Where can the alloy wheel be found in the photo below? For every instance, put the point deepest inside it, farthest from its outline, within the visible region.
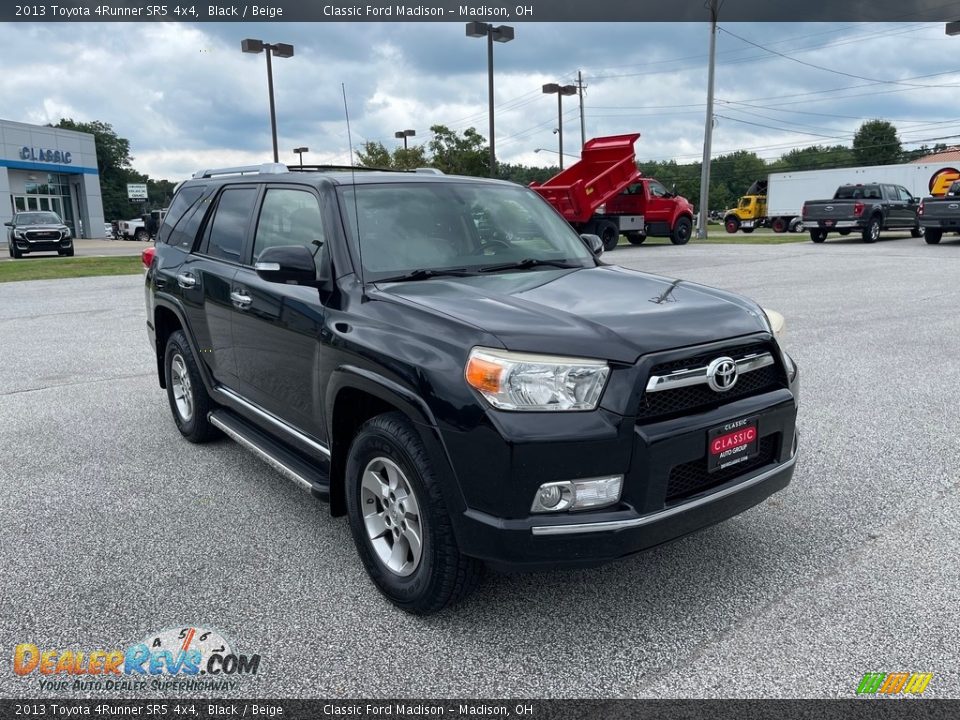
(391, 516)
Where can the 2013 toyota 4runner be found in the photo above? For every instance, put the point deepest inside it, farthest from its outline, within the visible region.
(450, 365)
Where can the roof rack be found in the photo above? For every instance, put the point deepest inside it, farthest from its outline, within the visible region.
(265, 169)
(363, 168)
(314, 168)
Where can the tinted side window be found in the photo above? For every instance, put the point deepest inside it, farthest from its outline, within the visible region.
(891, 192)
(288, 217)
(905, 194)
(230, 222)
(178, 208)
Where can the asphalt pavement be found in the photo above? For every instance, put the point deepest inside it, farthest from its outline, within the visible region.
(86, 247)
(112, 526)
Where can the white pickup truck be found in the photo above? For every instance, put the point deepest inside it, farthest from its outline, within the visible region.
(136, 229)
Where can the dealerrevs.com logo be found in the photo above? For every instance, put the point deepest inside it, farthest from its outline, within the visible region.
(184, 658)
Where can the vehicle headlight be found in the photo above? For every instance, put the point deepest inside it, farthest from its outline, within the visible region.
(776, 323)
(18, 234)
(524, 381)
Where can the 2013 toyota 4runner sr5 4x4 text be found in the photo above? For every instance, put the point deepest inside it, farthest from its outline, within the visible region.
(445, 361)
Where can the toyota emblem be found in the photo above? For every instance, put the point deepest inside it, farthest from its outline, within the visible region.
(722, 374)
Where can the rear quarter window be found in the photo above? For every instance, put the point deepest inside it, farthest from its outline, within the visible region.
(184, 200)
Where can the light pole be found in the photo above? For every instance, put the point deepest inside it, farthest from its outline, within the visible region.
(281, 50)
(502, 34)
(404, 134)
(560, 90)
(300, 151)
(708, 130)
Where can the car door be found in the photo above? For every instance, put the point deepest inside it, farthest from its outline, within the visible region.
(910, 206)
(897, 208)
(206, 279)
(277, 330)
(659, 206)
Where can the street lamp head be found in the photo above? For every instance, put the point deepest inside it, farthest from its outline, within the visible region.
(301, 150)
(251, 46)
(399, 134)
(568, 90)
(502, 33)
(282, 50)
(551, 88)
(478, 29)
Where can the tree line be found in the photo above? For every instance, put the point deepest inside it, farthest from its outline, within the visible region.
(467, 153)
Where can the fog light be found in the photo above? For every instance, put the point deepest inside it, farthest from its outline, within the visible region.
(597, 492)
(577, 494)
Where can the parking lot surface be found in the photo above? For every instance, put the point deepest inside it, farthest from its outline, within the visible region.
(86, 248)
(112, 526)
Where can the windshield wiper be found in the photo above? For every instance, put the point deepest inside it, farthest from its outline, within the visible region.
(528, 263)
(426, 274)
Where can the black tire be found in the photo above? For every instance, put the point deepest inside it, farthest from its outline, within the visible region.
(441, 575)
(14, 253)
(818, 236)
(609, 233)
(65, 253)
(917, 231)
(747, 230)
(932, 235)
(635, 238)
(195, 427)
(796, 225)
(731, 223)
(871, 233)
(681, 231)
(779, 225)
(141, 235)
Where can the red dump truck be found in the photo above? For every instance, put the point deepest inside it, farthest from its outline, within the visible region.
(604, 194)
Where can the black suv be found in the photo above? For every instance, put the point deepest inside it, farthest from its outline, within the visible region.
(38, 231)
(449, 364)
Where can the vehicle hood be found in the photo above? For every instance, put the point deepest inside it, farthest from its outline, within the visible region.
(605, 312)
(43, 226)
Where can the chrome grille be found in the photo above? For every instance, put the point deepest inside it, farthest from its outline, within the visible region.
(660, 404)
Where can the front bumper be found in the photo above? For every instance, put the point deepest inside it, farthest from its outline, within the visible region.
(647, 514)
(29, 246)
(536, 545)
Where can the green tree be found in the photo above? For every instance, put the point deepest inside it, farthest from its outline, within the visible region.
(524, 175)
(454, 154)
(115, 166)
(876, 143)
(817, 157)
(375, 155)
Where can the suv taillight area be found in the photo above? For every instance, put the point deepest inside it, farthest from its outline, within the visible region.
(857, 209)
(920, 209)
(146, 257)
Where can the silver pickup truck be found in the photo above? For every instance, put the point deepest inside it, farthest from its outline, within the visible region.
(941, 214)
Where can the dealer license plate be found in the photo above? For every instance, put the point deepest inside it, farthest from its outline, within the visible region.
(732, 444)
(828, 223)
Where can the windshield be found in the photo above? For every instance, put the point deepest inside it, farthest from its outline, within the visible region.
(37, 218)
(404, 227)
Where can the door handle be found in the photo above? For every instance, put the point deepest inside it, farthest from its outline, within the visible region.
(186, 280)
(240, 299)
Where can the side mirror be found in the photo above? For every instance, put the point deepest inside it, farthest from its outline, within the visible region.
(911, 201)
(287, 264)
(8, 224)
(594, 243)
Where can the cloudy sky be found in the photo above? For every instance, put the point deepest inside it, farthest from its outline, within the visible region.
(186, 97)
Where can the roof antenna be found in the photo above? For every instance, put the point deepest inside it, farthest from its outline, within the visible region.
(353, 179)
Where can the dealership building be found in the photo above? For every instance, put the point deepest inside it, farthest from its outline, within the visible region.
(45, 168)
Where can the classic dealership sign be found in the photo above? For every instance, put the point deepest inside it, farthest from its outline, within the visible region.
(45, 155)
